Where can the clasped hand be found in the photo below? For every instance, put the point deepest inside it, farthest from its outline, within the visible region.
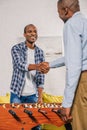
(43, 67)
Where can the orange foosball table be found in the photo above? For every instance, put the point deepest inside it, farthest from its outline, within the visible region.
(27, 116)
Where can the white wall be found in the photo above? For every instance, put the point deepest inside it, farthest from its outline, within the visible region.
(14, 15)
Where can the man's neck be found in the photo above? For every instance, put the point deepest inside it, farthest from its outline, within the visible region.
(30, 45)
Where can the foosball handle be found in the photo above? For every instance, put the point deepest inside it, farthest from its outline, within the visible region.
(14, 115)
(42, 111)
(28, 112)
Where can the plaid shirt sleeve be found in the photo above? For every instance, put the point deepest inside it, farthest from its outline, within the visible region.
(40, 78)
(18, 58)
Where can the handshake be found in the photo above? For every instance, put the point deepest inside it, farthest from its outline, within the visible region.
(43, 67)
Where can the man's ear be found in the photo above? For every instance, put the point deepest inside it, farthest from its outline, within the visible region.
(66, 11)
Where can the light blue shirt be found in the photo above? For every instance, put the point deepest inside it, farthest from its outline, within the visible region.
(75, 60)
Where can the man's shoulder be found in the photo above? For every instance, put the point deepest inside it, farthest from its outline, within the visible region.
(19, 45)
(76, 19)
(76, 22)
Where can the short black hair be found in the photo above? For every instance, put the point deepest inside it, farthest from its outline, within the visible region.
(27, 26)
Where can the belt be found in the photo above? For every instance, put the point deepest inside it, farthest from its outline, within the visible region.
(84, 71)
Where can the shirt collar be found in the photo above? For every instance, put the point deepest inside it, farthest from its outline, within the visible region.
(78, 12)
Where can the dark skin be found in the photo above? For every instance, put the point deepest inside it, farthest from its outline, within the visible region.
(31, 37)
(64, 13)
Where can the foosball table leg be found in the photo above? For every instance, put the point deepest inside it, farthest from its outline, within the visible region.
(68, 126)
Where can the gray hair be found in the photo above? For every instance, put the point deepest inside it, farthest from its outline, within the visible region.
(71, 4)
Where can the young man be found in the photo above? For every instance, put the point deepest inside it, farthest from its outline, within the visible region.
(75, 60)
(27, 80)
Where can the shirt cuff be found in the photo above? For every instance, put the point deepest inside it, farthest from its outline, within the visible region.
(51, 64)
(41, 86)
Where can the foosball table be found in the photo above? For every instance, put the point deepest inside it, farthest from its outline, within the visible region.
(26, 116)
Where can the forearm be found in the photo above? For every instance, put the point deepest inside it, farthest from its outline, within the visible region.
(57, 63)
(33, 67)
(37, 67)
(45, 66)
(72, 80)
(40, 91)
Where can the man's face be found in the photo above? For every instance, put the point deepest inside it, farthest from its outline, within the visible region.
(31, 34)
(61, 12)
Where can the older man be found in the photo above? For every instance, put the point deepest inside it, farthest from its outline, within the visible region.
(75, 60)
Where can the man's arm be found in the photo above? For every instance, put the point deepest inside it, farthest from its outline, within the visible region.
(40, 77)
(57, 63)
(73, 59)
(34, 67)
(17, 59)
(40, 91)
(45, 66)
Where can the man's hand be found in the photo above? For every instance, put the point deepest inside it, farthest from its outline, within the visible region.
(40, 101)
(65, 114)
(43, 67)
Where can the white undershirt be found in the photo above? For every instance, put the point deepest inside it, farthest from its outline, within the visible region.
(30, 85)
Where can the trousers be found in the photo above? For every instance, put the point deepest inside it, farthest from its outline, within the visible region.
(79, 108)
